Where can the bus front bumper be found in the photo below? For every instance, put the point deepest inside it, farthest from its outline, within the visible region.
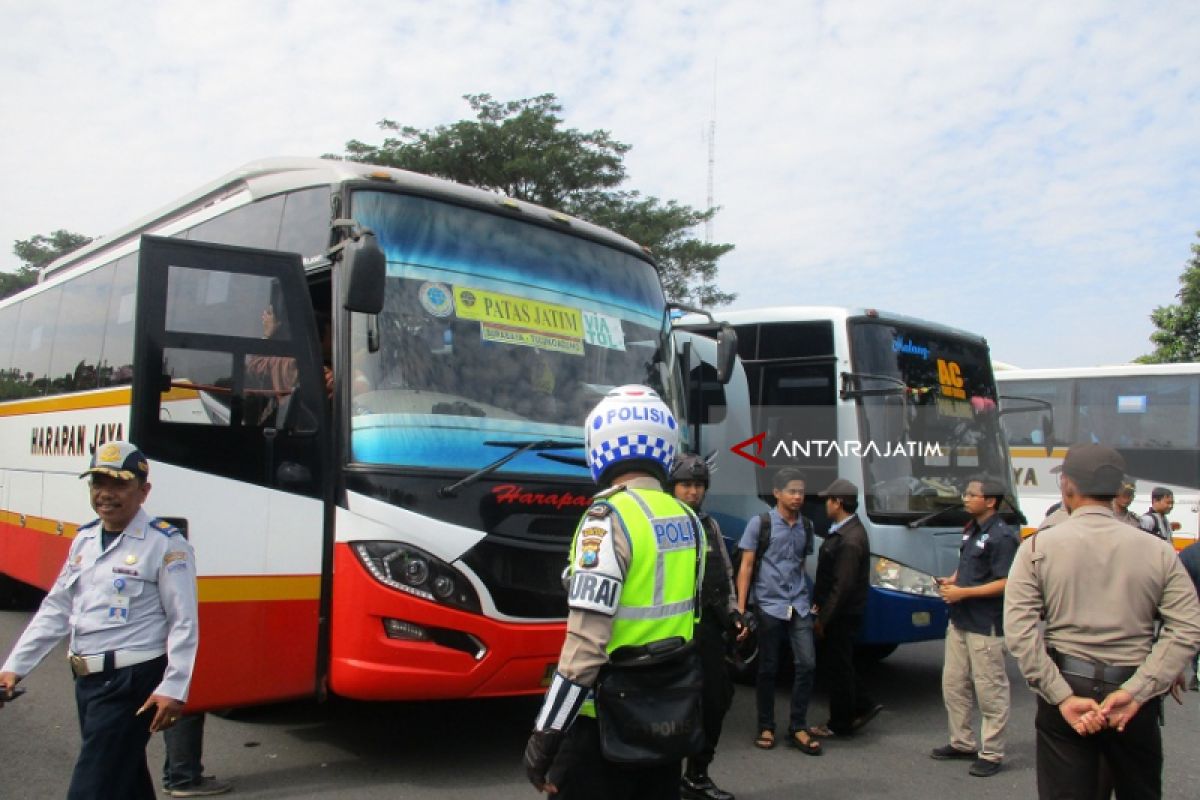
(899, 617)
(387, 645)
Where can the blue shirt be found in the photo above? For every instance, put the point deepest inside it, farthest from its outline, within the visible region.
(781, 583)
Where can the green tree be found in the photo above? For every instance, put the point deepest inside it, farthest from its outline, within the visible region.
(35, 253)
(521, 149)
(1178, 335)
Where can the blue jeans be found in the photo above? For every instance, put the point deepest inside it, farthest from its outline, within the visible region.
(184, 742)
(771, 632)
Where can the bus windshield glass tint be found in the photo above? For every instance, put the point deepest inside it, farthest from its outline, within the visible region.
(495, 331)
(929, 417)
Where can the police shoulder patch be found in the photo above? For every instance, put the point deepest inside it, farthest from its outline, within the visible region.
(599, 510)
(173, 556)
(164, 527)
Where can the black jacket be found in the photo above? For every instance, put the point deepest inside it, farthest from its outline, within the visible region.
(843, 572)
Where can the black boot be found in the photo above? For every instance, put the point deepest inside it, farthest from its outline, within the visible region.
(696, 785)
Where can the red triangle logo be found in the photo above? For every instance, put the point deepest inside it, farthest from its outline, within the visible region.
(757, 441)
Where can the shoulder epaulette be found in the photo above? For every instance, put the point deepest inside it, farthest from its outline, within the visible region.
(600, 507)
(91, 524)
(164, 527)
(609, 492)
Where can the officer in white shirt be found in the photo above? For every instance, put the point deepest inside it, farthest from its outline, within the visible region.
(127, 599)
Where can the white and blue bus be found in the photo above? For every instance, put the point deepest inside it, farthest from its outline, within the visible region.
(1149, 412)
(904, 408)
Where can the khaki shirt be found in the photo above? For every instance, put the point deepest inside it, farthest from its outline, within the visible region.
(1100, 583)
(588, 632)
(1056, 516)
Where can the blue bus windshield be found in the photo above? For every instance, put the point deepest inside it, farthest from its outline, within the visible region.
(494, 333)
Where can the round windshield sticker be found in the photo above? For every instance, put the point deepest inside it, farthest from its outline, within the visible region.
(437, 299)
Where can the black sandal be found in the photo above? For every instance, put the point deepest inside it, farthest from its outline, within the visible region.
(765, 740)
(808, 745)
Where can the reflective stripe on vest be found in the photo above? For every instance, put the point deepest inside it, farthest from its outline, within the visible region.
(658, 599)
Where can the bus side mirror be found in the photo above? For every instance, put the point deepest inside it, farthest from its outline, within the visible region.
(726, 352)
(365, 273)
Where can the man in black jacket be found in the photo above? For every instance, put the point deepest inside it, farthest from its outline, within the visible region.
(839, 602)
(719, 621)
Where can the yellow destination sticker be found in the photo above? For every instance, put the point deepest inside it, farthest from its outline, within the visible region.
(518, 312)
(543, 341)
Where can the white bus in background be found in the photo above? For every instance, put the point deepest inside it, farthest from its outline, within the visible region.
(821, 385)
(1149, 412)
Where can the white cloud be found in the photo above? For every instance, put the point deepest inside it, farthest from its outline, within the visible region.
(1025, 170)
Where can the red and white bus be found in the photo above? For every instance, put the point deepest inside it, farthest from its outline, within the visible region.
(396, 534)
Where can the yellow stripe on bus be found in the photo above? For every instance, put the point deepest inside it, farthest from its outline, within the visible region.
(1037, 452)
(256, 588)
(39, 524)
(107, 398)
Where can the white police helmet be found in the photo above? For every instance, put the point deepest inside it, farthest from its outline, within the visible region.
(631, 424)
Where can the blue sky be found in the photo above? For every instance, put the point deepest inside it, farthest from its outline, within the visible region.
(1026, 170)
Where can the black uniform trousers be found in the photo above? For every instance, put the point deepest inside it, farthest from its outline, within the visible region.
(1069, 765)
(112, 757)
(717, 693)
(582, 773)
(848, 700)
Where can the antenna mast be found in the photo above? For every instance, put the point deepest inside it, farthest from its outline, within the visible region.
(712, 158)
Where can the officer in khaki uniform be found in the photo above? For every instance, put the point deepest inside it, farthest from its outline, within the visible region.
(1099, 674)
(127, 598)
(634, 569)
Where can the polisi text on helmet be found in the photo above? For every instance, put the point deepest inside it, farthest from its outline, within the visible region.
(635, 413)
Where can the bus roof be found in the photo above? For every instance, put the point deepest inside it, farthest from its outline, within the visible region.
(1115, 371)
(837, 313)
(270, 176)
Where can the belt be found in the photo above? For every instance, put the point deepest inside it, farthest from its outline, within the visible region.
(113, 659)
(1090, 670)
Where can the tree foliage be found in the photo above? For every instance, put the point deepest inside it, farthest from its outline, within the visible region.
(35, 253)
(521, 149)
(1178, 336)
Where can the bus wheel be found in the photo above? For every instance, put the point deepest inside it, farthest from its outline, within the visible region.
(17, 596)
(873, 653)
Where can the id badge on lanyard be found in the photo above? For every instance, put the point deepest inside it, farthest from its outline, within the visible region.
(118, 605)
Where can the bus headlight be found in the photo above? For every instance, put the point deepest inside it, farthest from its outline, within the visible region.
(415, 572)
(888, 574)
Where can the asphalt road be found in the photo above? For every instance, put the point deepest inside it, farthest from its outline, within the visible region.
(473, 749)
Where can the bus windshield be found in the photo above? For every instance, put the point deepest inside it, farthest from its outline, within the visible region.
(928, 415)
(496, 334)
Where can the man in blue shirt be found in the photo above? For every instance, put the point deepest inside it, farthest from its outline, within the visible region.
(974, 668)
(782, 596)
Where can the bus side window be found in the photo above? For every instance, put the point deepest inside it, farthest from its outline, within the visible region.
(80, 331)
(116, 357)
(34, 341)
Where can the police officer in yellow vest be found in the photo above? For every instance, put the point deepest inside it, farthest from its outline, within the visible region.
(633, 582)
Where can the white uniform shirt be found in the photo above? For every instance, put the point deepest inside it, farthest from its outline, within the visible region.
(139, 594)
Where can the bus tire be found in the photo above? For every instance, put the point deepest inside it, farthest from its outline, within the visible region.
(873, 653)
(18, 596)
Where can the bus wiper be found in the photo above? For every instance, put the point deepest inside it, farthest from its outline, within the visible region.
(852, 387)
(521, 447)
(919, 521)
